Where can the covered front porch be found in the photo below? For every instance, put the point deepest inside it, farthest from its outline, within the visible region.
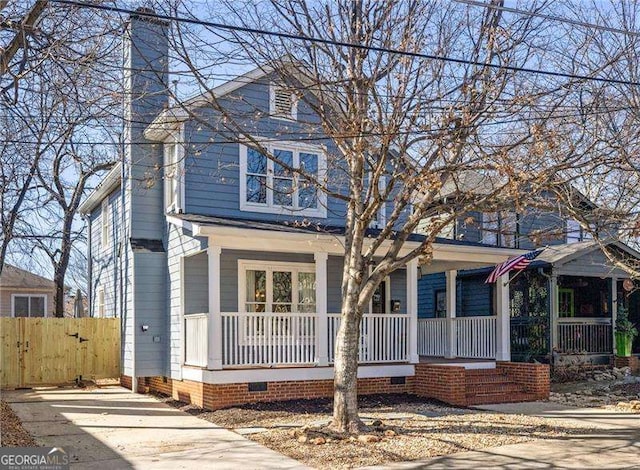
(265, 299)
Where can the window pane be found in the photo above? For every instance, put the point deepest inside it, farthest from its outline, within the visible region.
(286, 157)
(256, 286)
(309, 163)
(282, 287)
(282, 192)
(21, 306)
(306, 292)
(256, 162)
(307, 196)
(257, 189)
(37, 306)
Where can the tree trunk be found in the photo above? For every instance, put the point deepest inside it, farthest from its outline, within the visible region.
(345, 406)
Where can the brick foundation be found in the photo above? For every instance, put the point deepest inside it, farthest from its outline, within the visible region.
(444, 383)
(633, 362)
(450, 384)
(217, 396)
(535, 378)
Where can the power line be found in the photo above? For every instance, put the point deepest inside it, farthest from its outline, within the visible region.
(313, 39)
(492, 6)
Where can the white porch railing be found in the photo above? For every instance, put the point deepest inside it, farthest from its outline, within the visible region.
(474, 337)
(432, 336)
(267, 339)
(384, 337)
(585, 335)
(195, 339)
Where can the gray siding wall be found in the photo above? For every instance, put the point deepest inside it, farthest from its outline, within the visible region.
(334, 284)
(591, 264)
(550, 227)
(180, 244)
(104, 260)
(196, 287)
(150, 311)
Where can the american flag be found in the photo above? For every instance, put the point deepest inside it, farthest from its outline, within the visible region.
(514, 264)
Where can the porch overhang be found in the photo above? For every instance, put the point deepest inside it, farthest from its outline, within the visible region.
(269, 236)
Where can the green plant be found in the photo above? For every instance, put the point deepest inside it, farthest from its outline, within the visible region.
(624, 325)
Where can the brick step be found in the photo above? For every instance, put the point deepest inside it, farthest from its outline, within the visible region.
(500, 398)
(497, 379)
(488, 389)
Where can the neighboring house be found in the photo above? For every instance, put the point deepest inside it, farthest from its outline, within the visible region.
(562, 308)
(24, 294)
(229, 290)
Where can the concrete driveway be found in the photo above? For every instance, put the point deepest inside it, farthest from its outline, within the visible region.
(612, 443)
(112, 428)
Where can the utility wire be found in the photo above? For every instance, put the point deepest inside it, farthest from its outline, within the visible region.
(297, 37)
(558, 19)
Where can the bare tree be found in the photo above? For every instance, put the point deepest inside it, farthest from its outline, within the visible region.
(430, 107)
(61, 92)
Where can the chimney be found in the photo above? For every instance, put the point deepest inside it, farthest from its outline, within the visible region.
(146, 94)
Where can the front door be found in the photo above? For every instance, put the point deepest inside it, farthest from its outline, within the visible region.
(379, 301)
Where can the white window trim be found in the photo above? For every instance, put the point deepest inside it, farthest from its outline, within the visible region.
(105, 224)
(382, 210)
(13, 303)
(174, 203)
(273, 88)
(269, 267)
(269, 208)
(101, 303)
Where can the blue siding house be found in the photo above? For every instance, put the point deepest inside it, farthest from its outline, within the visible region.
(225, 268)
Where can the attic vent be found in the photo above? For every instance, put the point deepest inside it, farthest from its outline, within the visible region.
(282, 103)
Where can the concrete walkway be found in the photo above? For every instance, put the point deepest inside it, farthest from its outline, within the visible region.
(112, 428)
(613, 443)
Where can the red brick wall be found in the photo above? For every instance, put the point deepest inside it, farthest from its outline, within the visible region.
(633, 362)
(216, 396)
(444, 383)
(535, 378)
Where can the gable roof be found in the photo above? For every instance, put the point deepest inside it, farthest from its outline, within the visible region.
(110, 182)
(559, 255)
(13, 276)
(168, 119)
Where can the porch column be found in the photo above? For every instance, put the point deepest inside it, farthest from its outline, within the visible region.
(614, 312)
(322, 324)
(503, 325)
(553, 312)
(412, 309)
(214, 359)
(450, 350)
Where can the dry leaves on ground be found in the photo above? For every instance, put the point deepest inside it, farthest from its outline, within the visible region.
(12, 434)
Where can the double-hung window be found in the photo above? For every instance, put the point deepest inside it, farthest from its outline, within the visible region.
(272, 185)
(500, 229)
(29, 305)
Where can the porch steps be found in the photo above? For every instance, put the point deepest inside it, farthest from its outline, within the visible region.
(486, 386)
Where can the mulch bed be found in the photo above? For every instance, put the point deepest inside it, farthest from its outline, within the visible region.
(402, 427)
(12, 434)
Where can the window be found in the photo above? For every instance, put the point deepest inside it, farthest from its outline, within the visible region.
(173, 173)
(500, 229)
(29, 305)
(105, 217)
(380, 219)
(575, 232)
(100, 307)
(283, 103)
(269, 288)
(270, 186)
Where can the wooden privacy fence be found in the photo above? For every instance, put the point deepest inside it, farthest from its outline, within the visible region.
(56, 351)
